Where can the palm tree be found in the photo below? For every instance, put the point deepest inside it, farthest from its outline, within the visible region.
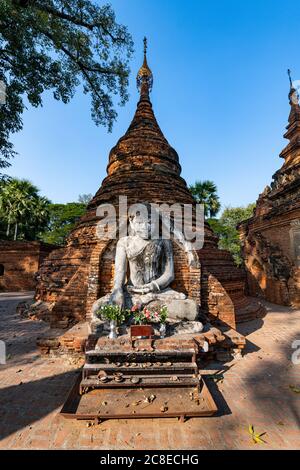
(40, 214)
(205, 192)
(21, 206)
(6, 206)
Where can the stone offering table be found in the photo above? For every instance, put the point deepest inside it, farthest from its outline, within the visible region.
(153, 378)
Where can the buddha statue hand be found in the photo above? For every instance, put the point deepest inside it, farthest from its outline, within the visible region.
(117, 297)
(145, 289)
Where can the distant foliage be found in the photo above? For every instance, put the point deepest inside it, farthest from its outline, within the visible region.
(24, 214)
(58, 45)
(206, 192)
(85, 198)
(63, 218)
(225, 227)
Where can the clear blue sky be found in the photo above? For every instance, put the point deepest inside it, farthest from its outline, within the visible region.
(220, 97)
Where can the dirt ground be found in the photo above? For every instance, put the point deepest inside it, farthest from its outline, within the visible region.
(260, 390)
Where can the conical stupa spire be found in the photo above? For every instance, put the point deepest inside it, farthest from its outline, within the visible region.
(143, 148)
(144, 79)
(292, 151)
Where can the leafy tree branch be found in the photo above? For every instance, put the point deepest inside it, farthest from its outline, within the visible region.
(58, 45)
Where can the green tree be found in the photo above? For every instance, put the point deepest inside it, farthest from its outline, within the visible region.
(58, 45)
(205, 192)
(85, 198)
(22, 209)
(63, 218)
(2, 228)
(225, 227)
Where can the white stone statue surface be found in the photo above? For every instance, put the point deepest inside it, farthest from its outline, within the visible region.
(144, 270)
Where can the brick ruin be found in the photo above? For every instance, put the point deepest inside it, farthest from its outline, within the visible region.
(271, 238)
(19, 263)
(143, 167)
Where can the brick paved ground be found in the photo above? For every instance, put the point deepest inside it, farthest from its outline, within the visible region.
(255, 390)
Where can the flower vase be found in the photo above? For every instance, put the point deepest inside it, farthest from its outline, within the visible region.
(113, 329)
(162, 330)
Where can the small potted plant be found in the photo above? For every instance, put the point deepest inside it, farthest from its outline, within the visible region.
(115, 315)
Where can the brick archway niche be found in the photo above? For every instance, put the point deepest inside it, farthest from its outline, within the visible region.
(102, 268)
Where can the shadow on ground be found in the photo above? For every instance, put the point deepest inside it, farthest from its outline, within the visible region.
(222, 405)
(22, 405)
(270, 384)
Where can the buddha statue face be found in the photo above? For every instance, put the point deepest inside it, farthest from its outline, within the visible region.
(141, 225)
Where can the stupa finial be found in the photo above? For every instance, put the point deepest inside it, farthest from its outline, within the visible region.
(290, 78)
(144, 77)
(293, 93)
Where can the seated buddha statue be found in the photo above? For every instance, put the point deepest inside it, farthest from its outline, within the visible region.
(144, 270)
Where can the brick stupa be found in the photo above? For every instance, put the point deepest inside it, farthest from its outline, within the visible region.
(271, 238)
(143, 167)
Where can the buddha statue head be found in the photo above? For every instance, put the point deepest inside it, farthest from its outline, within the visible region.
(143, 222)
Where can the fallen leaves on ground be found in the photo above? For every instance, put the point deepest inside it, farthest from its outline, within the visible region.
(136, 403)
(257, 438)
(294, 389)
(150, 398)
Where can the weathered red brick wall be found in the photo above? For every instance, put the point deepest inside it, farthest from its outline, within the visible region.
(63, 279)
(223, 289)
(107, 270)
(272, 271)
(21, 261)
